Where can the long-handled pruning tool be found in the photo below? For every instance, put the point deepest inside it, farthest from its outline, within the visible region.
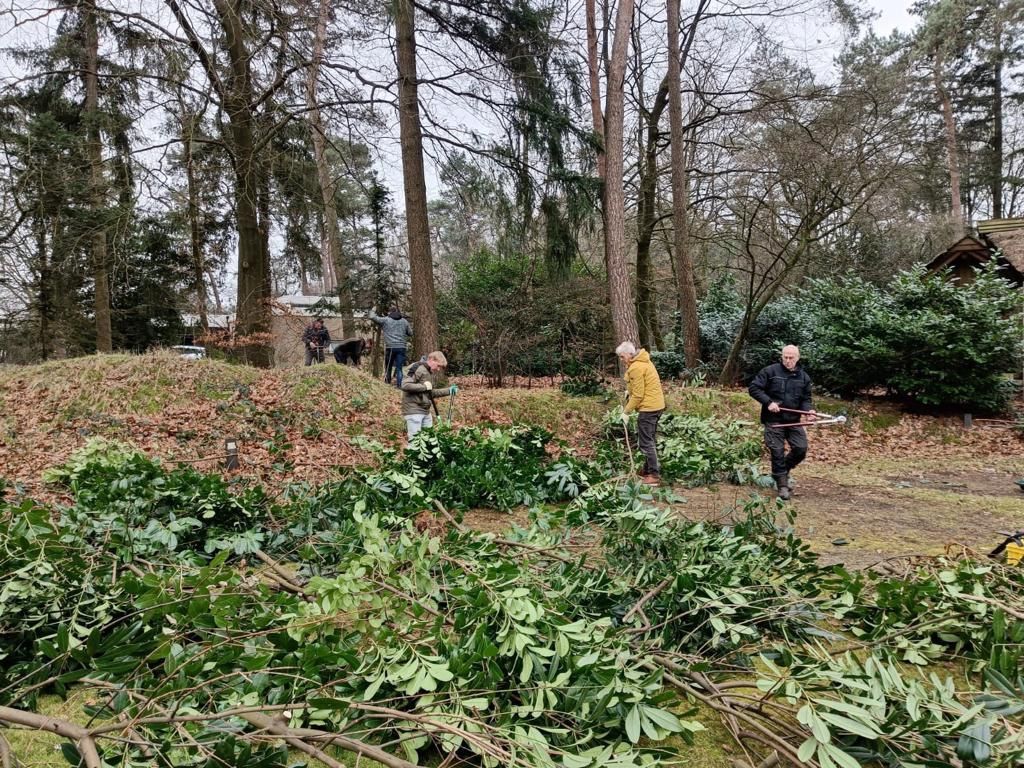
(819, 419)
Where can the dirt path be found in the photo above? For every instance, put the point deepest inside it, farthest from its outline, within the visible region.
(886, 508)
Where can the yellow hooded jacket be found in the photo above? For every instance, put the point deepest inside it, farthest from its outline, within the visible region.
(644, 385)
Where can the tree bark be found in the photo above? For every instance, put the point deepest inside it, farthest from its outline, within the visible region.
(421, 266)
(996, 181)
(44, 298)
(620, 294)
(252, 311)
(646, 313)
(188, 125)
(336, 269)
(685, 283)
(952, 155)
(90, 77)
(593, 68)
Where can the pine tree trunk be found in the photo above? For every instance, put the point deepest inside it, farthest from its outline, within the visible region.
(44, 300)
(101, 280)
(188, 123)
(252, 311)
(337, 270)
(421, 265)
(594, 71)
(685, 283)
(619, 291)
(997, 120)
(952, 155)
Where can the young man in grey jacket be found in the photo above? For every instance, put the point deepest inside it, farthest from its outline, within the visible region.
(418, 393)
(396, 330)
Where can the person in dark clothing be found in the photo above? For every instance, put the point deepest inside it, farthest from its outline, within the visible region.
(780, 386)
(350, 350)
(395, 330)
(315, 340)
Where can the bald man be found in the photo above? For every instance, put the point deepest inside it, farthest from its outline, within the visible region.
(777, 387)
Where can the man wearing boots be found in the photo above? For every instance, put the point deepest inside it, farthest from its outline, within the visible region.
(781, 388)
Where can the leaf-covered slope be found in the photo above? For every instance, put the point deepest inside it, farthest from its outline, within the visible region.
(288, 422)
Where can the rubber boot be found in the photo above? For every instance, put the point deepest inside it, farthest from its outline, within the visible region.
(782, 483)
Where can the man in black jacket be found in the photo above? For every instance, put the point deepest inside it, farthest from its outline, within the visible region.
(776, 387)
(315, 340)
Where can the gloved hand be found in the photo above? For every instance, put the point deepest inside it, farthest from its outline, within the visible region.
(453, 390)
(625, 418)
(428, 385)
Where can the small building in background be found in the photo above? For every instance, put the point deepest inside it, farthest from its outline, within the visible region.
(219, 324)
(290, 314)
(1001, 240)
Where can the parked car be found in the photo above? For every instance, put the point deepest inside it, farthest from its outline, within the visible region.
(188, 352)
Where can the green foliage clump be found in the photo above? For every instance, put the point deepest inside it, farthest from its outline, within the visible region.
(927, 338)
(504, 317)
(135, 507)
(585, 384)
(697, 450)
(484, 467)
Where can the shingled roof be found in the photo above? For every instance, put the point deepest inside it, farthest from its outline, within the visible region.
(1002, 239)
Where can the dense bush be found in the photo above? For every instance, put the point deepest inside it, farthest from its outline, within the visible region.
(786, 320)
(932, 340)
(504, 316)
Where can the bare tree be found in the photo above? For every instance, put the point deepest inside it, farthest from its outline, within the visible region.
(686, 290)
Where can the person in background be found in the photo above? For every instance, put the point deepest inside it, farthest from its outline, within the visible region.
(315, 340)
(648, 399)
(781, 388)
(396, 331)
(352, 350)
(418, 393)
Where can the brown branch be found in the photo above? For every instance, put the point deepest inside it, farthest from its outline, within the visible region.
(297, 737)
(7, 758)
(82, 738)
(651, 594)
(278, 569)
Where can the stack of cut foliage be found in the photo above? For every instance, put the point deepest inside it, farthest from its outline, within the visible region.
(216, 626)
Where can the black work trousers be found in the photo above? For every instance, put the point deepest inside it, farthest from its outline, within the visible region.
(647, 428)
(776, 438)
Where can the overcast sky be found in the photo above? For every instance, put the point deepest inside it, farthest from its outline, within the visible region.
(894, 15)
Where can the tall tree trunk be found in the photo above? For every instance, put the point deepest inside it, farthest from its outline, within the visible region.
(98, 195)
(646, 313)
(44, 300)
(337, 270)
(685, 283)
(421, 265)
(997, 118)
(188, 126)
(623, 315)
(252, 312)
(594, 70)
(952, 155)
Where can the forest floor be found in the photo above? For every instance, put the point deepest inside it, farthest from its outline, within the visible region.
(889, 484)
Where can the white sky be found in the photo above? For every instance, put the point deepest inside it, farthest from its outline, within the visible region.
(894, 15)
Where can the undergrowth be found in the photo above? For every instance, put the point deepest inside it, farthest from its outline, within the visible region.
(200, 616)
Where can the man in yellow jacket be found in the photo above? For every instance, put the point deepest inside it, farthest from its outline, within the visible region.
(647, 398)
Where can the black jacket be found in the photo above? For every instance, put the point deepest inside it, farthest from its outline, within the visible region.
(790, 389)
